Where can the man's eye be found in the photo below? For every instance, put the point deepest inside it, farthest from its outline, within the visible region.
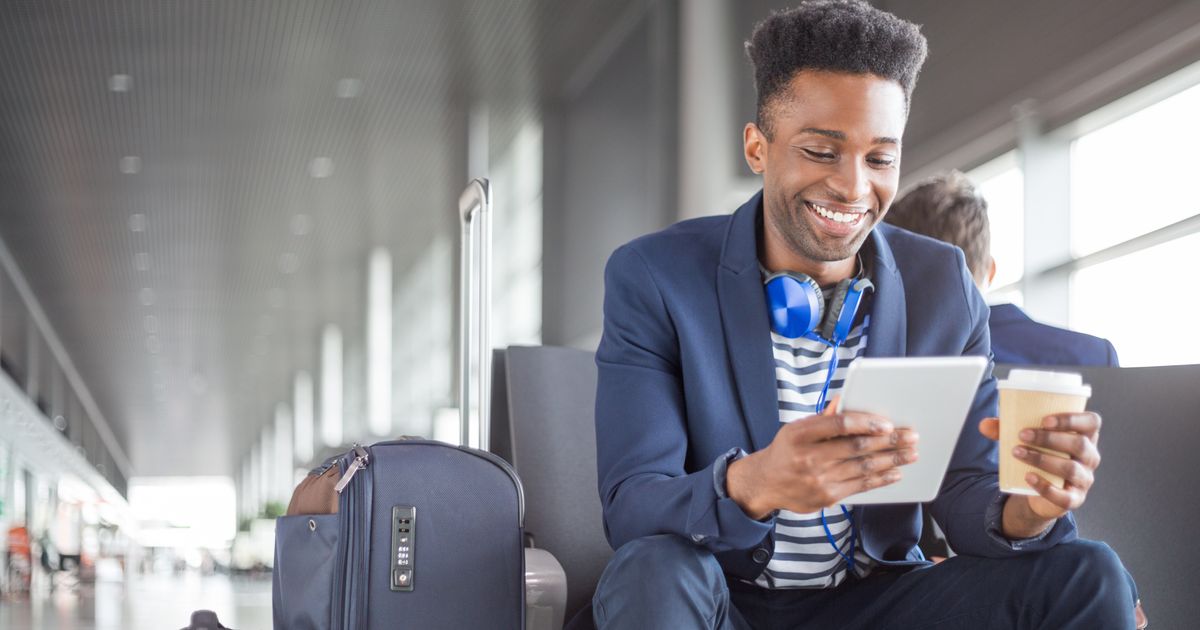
(819, 155)
(881, 161)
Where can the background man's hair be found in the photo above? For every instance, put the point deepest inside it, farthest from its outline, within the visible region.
(947, 207)
(836, 35)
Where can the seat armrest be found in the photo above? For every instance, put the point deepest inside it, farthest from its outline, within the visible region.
(545, 591)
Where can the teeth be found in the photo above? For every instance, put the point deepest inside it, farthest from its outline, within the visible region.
(840, 217)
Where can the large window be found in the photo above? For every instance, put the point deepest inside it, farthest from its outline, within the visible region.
(1128, 179)
(1131, 177)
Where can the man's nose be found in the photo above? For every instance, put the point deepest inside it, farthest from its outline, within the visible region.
(851, 181)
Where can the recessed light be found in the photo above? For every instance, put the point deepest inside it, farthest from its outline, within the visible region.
(150, 322)
(320, 167)
(349, 87)
(120, 82)
(141, 260)
(146, 295)
(153, 345)
(137, 222)
(130, 164)
(289, 263)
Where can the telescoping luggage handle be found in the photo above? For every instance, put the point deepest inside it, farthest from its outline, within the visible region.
(475, 301)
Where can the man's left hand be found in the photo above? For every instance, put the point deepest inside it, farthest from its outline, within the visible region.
(1075, 435)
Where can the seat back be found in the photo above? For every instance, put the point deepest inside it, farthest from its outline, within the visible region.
(1147, 497)
(543, 410)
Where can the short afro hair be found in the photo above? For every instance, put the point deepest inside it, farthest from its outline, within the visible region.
(847, 36)
(947, 207)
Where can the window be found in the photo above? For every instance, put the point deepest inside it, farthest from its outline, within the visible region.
(1143, 303)
(1001, 183)
(1130, 177)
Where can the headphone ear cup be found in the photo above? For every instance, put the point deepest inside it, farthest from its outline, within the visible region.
(833, 311)
(794, 303)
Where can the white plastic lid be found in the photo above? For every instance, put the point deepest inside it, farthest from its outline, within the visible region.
(1068, 383)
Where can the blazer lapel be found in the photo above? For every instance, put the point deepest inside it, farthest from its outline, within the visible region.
(745, 323)
(889, 325)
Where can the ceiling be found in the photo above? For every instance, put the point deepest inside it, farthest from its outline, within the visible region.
(192, 188)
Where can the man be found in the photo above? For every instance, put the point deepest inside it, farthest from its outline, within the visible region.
(948, 208)
(719, 492)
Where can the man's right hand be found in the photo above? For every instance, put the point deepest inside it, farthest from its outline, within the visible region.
(817, 461)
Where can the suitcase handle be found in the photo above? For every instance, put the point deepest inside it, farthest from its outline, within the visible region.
(475, 301)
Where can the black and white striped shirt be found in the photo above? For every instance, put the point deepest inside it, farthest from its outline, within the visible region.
(804, 557)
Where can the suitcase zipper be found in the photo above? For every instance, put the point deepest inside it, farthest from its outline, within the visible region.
(361, 459)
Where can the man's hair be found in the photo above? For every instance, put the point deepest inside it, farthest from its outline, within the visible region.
(947, 207)
(847, 36)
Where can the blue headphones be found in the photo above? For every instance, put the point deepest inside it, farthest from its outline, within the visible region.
(798, 308)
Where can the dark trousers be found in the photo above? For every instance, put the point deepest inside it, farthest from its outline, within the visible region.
(667, 582)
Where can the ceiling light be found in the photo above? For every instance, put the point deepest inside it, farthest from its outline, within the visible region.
(130, 164)
(320, 167)
(349, 88)
(146, 295)
(137, 222)
(120, 82)
(153, 345)
(150, 322)
(141, 260)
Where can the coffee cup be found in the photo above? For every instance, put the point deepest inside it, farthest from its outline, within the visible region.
(1026, 398)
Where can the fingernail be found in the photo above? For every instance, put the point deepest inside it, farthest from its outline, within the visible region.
(1019, 451)
(881, 426)
(1031, 479)
(892, 475)
(1050, 422)
(1026, 435)
(909, 437)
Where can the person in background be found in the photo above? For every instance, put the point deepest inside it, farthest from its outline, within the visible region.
(947, 207)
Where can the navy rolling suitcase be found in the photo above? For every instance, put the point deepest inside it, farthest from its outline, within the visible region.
(427, 535)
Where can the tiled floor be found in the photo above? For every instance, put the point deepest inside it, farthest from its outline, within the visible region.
(145, 603)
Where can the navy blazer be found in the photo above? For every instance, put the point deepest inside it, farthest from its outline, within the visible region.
(1018, 340)
(686, 374)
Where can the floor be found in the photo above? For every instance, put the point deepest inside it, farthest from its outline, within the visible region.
(144, 603)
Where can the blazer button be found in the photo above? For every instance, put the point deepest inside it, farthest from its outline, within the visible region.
(761, 556)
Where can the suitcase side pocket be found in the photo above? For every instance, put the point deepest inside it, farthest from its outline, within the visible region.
(305, 546)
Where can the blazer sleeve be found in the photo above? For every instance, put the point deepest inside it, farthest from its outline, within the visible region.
(641, 425)
(969, 505)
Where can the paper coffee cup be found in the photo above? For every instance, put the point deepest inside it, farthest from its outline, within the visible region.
(1026, 398)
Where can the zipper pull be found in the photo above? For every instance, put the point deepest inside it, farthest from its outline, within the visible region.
(361, 459)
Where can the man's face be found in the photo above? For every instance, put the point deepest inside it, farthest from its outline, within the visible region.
(832, 168)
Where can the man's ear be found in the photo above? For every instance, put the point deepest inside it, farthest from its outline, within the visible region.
(991, 273)
(754, 146)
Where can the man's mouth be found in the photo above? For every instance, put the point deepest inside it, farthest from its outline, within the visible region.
(837, 216)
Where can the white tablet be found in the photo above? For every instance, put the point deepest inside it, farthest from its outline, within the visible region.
(930, 394)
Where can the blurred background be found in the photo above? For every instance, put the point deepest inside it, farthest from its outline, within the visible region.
(229, 231)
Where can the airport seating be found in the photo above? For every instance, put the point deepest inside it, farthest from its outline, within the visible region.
(1145, 501)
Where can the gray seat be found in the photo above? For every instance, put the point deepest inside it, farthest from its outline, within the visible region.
(543, 410)
(1147, 500)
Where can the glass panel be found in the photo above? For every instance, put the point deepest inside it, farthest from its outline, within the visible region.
(1151, 275)
(1002, 184)
(1125, 177)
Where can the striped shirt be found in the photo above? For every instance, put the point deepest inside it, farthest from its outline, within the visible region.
(804, 557)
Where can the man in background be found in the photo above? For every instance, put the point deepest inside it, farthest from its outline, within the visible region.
(947, 207)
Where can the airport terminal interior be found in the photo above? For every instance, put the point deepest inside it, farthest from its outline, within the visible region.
(230, 245)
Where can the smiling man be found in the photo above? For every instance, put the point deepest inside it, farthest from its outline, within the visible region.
(721, 468)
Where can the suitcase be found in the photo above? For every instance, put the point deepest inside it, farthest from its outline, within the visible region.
(426, 534)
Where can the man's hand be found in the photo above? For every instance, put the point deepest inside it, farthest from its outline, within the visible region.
(1076, 435)
(817, 461)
